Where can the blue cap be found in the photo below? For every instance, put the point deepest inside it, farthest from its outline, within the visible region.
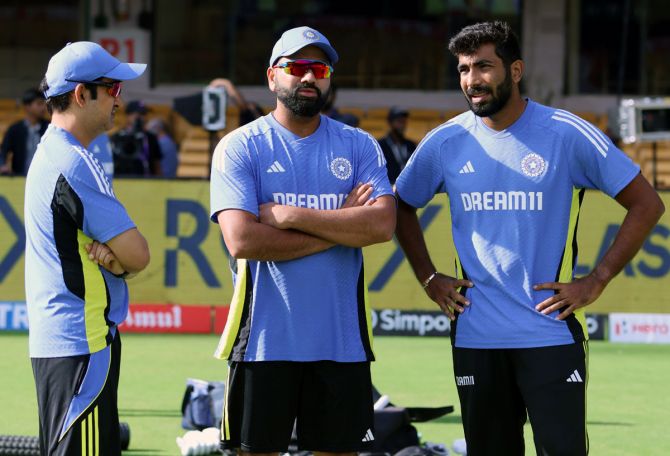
(297, 38)
(86, 61)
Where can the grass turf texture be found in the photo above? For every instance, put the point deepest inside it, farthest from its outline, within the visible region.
(628, 400)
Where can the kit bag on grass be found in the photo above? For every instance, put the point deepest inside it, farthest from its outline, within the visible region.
(202, 405)
(394, 430)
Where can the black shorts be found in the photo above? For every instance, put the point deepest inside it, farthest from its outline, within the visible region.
(329, 402)
(77, 403)
(498, 387)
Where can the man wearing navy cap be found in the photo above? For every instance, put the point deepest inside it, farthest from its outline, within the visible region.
(396, 147)
(297, 195)
(81, 245)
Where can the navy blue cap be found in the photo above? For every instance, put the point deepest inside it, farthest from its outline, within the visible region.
(396, 112)
(136, 106)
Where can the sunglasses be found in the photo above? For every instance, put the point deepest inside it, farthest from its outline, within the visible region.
(299, 68)
(113, 88)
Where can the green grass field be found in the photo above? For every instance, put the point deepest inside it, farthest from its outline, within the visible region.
(628, 406)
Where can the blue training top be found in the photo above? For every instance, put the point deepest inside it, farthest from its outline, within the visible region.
(315, 307)
(514, 197)
(74, 305)
(101, 148)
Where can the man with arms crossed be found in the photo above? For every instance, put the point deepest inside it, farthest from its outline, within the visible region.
(515, 173)
(297, 195)
(81, 245)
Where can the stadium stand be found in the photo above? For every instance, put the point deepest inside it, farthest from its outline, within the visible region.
(194, 141)
(10, 112)
(376, 126)
(426, 114)
(194, 153)
(358, 112)
(8, 104)
(643, 154)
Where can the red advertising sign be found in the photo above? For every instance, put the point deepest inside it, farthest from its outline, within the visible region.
(220, 318)
(128, 45)
(167, 318)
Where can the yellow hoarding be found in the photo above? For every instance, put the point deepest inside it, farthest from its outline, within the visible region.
(189, 263)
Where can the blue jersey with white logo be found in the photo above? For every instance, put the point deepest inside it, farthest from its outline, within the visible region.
(514, 197)
(74, 305)
(315, 307)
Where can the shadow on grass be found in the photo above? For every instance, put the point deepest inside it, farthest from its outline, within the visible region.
(171, 413)
(609, 423)
(450, 419)
(143, 452)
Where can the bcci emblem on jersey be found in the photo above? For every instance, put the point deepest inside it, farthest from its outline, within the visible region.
(341, 168)
(532, 165)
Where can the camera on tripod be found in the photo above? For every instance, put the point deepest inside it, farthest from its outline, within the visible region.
(129, 144)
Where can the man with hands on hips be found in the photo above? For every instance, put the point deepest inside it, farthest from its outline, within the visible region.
(516, 172)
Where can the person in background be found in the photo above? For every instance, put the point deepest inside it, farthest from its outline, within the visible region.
(331, 111)
(515, 173)
(136, 150)
(101, 147)
(297, 195)
(397, 149)
(249, 111)
(22, 137)
(169, 150)
(81, 246)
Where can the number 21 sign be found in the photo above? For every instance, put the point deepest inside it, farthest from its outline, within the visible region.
(127, 45)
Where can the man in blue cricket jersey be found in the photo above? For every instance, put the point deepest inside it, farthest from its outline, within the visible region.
(297, 195)
(515, 173)
(81, 245)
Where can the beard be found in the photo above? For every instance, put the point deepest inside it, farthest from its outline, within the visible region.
(496, 102)
(302, 106)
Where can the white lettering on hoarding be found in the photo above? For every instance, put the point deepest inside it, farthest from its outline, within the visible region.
(13, 316)
(391, 320)
(5, 310)
(20, 320)
(155, 318)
